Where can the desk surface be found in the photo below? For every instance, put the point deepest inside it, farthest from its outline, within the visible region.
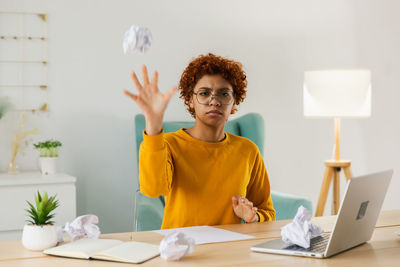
(382, 249)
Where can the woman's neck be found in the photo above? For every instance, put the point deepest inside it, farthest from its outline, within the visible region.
(207, 133)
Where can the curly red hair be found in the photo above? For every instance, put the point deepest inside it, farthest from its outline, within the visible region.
(210, 64)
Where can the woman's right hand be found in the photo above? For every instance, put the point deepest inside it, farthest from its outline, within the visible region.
(150, 100)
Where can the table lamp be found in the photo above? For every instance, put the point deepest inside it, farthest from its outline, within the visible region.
(336, 94)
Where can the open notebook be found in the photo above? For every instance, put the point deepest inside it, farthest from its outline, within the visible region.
(106, 249)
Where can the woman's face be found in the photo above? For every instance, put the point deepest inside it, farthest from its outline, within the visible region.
(218, 90)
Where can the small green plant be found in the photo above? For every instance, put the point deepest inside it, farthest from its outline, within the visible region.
(44, 206)
(48, 148)
(4, 106)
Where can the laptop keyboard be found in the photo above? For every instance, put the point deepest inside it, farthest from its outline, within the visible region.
(317, 244)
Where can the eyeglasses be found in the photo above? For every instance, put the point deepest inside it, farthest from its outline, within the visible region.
(204, 97)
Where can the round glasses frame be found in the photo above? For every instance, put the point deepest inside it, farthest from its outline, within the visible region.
(215, 96)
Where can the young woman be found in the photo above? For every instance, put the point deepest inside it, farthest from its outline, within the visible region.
(208, 177)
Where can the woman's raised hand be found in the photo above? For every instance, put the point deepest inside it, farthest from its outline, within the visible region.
(150, 100)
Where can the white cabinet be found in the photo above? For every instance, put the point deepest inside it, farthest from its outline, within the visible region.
(16, 189)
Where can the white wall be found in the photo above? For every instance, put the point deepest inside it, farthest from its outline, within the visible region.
(275, 40)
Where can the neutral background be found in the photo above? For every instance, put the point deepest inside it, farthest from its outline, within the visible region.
(275, 40)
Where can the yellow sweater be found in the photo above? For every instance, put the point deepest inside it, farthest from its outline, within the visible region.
(198, 178)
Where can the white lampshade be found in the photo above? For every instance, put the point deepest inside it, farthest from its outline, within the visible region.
(337, 93)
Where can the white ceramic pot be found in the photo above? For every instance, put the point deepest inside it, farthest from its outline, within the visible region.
(48, 165)
(36, 237)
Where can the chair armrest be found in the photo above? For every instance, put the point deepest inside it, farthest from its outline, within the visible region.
(150, 212)
(286, 205)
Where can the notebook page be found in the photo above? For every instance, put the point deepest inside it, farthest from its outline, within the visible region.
(206, 234)
(82, 248)
(133, 252)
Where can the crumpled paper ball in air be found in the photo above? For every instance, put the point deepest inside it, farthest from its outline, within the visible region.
(137, 39)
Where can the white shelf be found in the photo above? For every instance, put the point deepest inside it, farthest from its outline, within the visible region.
(29, 178)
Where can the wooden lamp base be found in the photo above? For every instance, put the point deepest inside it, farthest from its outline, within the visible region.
(332, 172)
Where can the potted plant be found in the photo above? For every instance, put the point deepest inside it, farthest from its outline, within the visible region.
(40, 232)
(48, 155)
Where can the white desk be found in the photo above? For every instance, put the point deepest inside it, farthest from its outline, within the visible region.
(15, 189)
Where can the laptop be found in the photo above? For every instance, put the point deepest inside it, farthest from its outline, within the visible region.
(355, 222)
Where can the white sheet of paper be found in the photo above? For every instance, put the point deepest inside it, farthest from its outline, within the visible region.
(207, 234)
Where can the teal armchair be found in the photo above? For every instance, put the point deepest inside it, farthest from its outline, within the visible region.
(149, 211)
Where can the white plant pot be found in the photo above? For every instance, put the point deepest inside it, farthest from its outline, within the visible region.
(36, 237)
(48, 165)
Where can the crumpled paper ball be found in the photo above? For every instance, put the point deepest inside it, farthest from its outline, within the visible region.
(137, 39)
(81, 226)
(175, 246)
(300, 230)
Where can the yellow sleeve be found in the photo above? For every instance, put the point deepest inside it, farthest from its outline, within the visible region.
(155, 165)
(259, 190)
